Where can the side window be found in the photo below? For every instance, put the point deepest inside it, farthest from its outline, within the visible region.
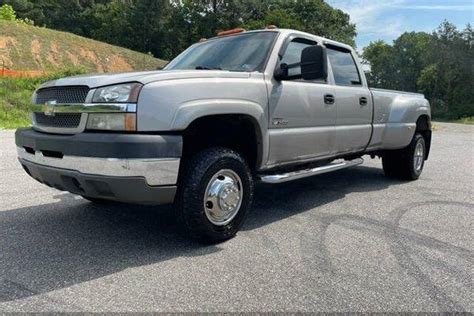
(343, 67)
(292, 54)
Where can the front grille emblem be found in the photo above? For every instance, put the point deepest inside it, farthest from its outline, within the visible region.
(49, 108)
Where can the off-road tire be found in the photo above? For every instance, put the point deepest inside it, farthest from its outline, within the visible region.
(400, 163)
(195, 175)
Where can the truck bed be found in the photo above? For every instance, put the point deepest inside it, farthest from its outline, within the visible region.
(379, 90)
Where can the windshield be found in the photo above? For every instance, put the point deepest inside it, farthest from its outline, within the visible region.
(243, 52)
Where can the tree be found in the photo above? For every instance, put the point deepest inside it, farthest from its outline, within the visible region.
(110, 22)
(438, 65)
(448, 80)
(7, 13)
(382, 67)
(409, 59)
(166, 27)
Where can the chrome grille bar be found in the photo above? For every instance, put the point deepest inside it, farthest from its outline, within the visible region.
(84, 108)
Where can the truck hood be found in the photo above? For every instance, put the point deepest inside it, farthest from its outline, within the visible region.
(98, 80)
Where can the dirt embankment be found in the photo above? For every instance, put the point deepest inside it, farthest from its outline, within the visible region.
(29, 50)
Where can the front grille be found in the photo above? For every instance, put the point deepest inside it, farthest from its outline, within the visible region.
(59, 120)
(62, 95)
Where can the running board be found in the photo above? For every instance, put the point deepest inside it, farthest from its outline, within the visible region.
(299, 174)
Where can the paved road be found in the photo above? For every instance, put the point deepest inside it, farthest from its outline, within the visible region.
(351, 240)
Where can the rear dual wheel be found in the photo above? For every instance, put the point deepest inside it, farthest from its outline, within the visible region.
(406, 163)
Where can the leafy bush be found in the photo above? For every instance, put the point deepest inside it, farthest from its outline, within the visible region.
(7, 13)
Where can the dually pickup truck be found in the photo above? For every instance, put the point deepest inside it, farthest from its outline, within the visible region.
(270, 105)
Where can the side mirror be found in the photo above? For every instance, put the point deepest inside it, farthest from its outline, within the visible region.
(281, 72)
(314, 63)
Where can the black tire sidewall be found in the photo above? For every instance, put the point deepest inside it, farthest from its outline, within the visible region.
(400, 163)
(414, 174)
(240, 169)
(192, 205)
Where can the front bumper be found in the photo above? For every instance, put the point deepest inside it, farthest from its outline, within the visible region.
(130, 168)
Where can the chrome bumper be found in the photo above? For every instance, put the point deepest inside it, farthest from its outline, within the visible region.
(157, 172)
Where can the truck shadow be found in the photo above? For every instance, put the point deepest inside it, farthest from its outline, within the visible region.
(275, 202)
(53, 246)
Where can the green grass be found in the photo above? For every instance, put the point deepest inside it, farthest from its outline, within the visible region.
(469, 120)
(15, 97)
(465, 120)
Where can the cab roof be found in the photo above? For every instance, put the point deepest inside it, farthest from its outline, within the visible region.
(286, 32)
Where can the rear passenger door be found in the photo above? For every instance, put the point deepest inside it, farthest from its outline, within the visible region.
(353, 102)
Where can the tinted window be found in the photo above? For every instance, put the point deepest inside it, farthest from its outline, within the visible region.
(243, 52)
(292, 54)
(343, 67)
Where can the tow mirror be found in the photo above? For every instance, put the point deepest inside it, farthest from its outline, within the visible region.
(314, 63)
(281, 72)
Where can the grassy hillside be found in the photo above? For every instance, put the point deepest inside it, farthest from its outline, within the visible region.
(24, 47)
(52, 54)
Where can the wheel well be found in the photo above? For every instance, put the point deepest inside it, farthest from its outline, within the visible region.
(423, 126)
(235, 131)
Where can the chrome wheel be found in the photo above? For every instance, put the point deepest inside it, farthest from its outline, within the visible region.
(419, 156)
(223, 197)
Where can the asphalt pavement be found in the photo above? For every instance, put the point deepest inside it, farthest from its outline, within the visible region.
(351, 240)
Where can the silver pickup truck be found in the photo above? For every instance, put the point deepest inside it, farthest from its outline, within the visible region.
(269, 105)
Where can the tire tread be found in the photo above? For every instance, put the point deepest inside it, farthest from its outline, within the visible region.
(189, 200)
(399, 163)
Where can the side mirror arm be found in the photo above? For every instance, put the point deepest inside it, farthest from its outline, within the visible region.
(281, 72)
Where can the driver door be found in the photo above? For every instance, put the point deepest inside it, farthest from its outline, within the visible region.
(302, 113)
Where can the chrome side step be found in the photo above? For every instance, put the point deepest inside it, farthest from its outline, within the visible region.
(299, 174)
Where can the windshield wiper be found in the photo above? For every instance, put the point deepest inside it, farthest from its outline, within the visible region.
(207, 68)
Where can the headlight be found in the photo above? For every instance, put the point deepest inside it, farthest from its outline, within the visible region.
(127, 92)
(112, 121)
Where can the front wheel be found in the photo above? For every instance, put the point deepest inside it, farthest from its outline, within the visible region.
(406, 163)
(214, 194)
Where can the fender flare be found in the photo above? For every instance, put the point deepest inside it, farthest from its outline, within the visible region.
(190, 111)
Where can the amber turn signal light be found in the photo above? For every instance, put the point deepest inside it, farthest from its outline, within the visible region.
(232, 31)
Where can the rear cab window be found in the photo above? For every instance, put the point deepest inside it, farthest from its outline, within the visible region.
(343, 66)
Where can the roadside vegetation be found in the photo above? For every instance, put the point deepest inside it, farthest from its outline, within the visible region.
(25, 47)
(31, 55)
(466, 120)
(439, 65)
(166, 27)
(15, 97)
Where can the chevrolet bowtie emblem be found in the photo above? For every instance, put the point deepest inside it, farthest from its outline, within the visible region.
(49, 108)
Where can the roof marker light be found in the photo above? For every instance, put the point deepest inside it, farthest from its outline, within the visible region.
(232, 31)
